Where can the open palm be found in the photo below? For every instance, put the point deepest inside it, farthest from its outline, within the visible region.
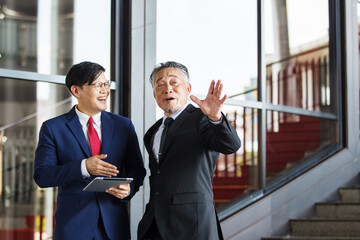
(211, 106)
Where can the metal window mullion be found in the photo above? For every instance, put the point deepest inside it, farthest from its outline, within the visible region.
(36, 77)
(262, 91)
(335, 62)
(31, 76)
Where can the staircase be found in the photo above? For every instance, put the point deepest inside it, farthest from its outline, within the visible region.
(294, 139)
(291, 143)
(333, 221)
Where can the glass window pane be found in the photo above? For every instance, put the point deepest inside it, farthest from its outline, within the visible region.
(214, 40)
(48, 36)
(25, 208)
(292, 139)
(237, 173)
(297, 50)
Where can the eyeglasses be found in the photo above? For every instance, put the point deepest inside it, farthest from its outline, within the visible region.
(99, 85)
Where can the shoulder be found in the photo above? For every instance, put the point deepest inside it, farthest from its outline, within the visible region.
(56, 120)
(195, 113)
(116, 119)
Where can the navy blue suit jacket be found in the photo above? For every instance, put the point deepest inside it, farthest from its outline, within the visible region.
(61, 148)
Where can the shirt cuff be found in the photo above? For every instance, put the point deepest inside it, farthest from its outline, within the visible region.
(217, 122)
(84, 171)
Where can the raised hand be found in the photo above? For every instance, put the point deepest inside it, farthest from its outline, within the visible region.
(211, 106)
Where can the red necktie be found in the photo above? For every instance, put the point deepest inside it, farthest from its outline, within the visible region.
(93, 138)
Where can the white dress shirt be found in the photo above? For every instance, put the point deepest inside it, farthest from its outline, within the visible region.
(83, 118)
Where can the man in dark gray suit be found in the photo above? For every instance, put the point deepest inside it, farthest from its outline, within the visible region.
(183, 156)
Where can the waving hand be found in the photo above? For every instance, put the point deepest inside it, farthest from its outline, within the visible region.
(212, 104)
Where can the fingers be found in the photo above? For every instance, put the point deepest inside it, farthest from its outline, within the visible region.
(108, 172)
(122, 191)
(223, 99)
(211, 88)
(195, 100)
(218, 88)
(98, 167)
(107, 169)
(101, 156)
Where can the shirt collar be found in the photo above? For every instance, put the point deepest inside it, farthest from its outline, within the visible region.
(85, 118)
(175, 115)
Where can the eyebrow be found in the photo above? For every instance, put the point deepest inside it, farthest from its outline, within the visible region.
(169, 76)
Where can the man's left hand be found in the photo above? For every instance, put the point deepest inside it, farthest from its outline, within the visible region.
(122, 191)
(211, 106)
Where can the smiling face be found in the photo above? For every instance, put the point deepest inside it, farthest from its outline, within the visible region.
(170, 90)
(91, 101)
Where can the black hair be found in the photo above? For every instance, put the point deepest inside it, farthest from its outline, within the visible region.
(83, 73)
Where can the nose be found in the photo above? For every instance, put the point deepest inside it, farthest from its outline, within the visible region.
(103, 88)
(168, 88)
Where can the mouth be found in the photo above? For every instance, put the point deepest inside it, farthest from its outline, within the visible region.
(102, 100)
(169, 99)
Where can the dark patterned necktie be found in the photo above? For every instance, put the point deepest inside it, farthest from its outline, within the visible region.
(167, 124)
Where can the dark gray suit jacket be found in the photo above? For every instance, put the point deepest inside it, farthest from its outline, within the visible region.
(181, 196)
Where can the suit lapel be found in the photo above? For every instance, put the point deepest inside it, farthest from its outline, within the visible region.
(149, 136)
(76, 129)
(107, 130)
(174, 128)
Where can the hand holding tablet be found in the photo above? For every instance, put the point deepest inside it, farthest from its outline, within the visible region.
(100, 184)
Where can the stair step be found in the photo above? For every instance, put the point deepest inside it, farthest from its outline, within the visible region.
(350, 195)
(311, 238)
(325, 227)
(338, 210)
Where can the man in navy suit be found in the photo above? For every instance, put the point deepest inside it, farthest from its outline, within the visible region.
(67, 157)
(182, 161)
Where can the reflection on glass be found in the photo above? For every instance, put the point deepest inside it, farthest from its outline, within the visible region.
(237, 173)
(297, 54)
(213, 39)
(25, 209)
(48, 36)
(296, 139)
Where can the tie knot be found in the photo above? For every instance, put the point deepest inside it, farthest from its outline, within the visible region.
(91, 120)
(168, 121)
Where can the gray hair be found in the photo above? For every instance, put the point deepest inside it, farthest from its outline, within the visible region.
(170, 64)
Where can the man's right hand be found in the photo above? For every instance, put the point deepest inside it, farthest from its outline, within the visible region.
(96, 166)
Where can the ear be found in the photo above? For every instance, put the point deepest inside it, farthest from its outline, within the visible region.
(75, 90)
(188, 88)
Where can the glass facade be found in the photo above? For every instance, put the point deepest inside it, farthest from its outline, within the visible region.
(211, 46)
(296, 139)
(299, 91)
(41, 37)
(297, 54)
(290, 126)
(24, 206)
(238, 173)
(48, 36)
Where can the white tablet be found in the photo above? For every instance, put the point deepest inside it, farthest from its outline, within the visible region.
(100, 184)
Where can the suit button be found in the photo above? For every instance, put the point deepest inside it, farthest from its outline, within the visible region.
(158, 171)
(156, 193)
